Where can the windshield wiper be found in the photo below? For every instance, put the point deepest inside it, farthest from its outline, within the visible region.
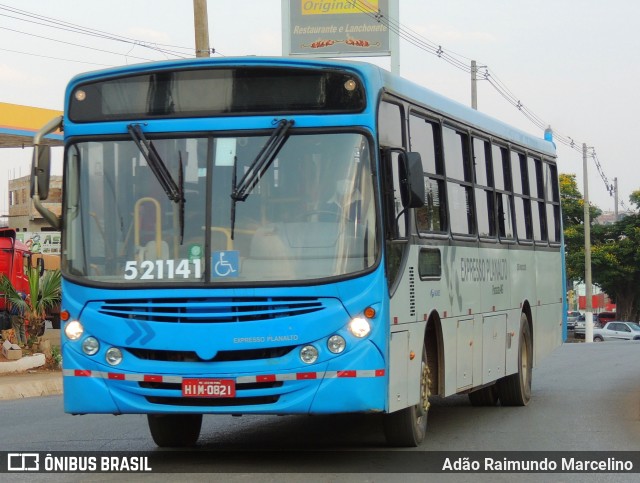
(262, 161)
(175, 192)
(155, 162)
(181, 201)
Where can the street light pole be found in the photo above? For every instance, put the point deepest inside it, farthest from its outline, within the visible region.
(588, 310)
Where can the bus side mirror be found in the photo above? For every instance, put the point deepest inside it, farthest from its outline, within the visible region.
(411, 180)
(40, 265)
(40, 170)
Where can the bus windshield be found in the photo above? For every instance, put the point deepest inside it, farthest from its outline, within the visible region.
(310, 215)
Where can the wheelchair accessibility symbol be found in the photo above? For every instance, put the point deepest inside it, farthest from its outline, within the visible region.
(225, 263)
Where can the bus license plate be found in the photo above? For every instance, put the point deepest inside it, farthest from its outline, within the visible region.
(208, 388)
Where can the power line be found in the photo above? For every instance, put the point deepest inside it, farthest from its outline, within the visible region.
(49, 22)
(452, 58)
(54, 58)
(71, 43)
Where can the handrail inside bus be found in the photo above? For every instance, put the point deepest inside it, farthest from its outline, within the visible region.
(136, 223)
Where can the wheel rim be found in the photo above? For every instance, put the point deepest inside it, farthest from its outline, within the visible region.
(423, 406)
(525, 369)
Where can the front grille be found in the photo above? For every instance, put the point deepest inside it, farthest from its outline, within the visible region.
(243, 386)
(212, 401)
(211, 309)
(221, 356)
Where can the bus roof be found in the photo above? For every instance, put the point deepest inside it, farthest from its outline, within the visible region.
(377, 80)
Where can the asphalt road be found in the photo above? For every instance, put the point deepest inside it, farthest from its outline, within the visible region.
(586, 397)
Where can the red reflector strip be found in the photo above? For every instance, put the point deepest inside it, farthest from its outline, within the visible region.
(152, 379)
(266, 378)
(346, 373)
(299, 376)
(306, 375)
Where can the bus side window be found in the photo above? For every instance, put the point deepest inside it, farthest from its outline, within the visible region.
(553, 201)
(485, 207)
(459, 182)
(425, 139)
(396, 215)
(502, 183)
(519, 179)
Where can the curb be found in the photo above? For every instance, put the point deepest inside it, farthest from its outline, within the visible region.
(18, 380)
(22, 364)
(30, 384)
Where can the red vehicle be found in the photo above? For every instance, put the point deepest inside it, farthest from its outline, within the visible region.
(604, 317)
(15, 259)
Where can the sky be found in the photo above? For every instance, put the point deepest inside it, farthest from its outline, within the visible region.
(571, 63)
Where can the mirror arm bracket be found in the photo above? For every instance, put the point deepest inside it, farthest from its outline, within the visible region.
(48, 215)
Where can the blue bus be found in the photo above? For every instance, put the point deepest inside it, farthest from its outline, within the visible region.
(294, 236)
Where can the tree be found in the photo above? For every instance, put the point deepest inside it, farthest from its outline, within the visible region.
(615, 261)
(573, 225)
(615, 249)
(44, 294)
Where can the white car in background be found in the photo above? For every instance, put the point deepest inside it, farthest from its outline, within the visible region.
(617, 330)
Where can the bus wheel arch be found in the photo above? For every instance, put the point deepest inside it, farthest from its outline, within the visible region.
(526, 310)
(433, 343)
(515, 389)
(407, 427)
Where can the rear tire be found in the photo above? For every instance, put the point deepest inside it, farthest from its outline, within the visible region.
(515, 389)
(487, 396)
(175, 430)
(408, 427)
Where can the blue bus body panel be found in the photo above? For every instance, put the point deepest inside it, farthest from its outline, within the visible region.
(148, 380)
(376, 80)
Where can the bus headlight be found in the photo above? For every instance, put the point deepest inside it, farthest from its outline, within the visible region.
(309, 354)
(359, 327)
(90, 346)
(73, 330)
(336, 344)
(113, 356)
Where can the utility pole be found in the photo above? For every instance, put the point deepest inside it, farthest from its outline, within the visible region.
(588, 310)
(615, 197)
(201, 26)
(394, 38)
(474, 85)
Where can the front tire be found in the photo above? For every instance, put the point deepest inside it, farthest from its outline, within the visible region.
(175, 430)
(515, 389)
(408, 427)
(598, 338)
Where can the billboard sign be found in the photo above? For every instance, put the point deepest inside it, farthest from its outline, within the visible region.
(332, 28)
(45, 242)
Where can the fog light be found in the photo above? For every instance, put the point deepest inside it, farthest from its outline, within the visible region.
(90, 346)
(114, 356)
(359, 327)
(74, 330)
(309, 354)
(336, 344)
